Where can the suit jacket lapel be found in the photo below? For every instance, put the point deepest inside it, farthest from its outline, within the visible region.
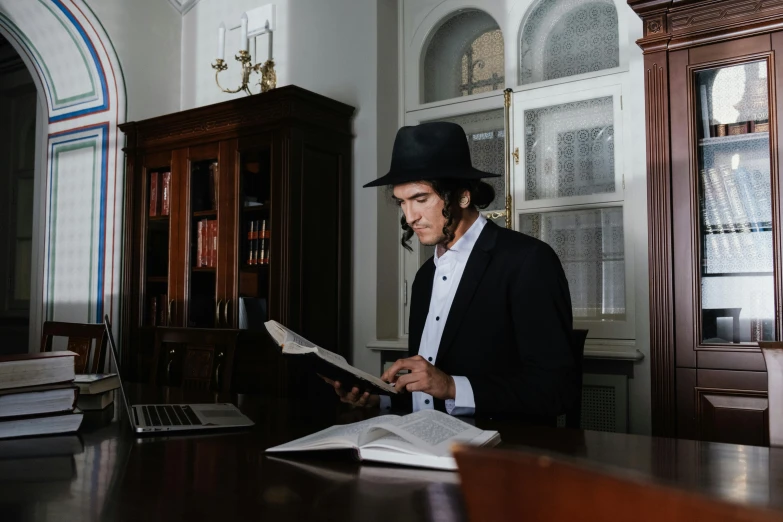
(420, 306)
(474, 270)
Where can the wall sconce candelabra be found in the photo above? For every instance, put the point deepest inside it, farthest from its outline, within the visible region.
(268, 80)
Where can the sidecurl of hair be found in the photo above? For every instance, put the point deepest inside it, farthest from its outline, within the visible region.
(449, 190)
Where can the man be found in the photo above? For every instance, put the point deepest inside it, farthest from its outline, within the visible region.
(490, 320)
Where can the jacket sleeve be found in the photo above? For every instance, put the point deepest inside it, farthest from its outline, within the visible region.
(543, 380)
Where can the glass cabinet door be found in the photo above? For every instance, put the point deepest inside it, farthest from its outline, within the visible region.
(737, 287)
(157, 208)
(255, 238)
(203, 193)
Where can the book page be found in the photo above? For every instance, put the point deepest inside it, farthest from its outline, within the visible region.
(342, 435)
(430, 431)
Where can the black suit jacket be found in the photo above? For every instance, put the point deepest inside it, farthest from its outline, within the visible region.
(508, 330)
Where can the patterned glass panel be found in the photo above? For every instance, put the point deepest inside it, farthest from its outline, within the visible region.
(569, 150)
(486, 139)
(590, 245)
(735, 204)
(563, 38)
(464, 56)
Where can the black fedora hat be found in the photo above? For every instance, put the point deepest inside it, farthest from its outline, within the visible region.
(430, 151)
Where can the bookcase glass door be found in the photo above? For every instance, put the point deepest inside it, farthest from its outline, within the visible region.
(737, 283)
(157, 233)
(203, 185)
(255, 237)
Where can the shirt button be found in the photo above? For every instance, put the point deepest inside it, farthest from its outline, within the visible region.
(444, 278)
(429, 359)
(437, 318)
(426, 401)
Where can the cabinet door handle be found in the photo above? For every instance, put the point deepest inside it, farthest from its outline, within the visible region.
(168, 367)
(168, 318)
(225, 313)
(217, 313)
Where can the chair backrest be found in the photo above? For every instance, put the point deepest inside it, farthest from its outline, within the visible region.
(502, 485)
(773, 356)
(89, 341)
(574, 415)
(194, 358)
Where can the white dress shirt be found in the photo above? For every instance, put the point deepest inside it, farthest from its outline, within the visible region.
(448, 274)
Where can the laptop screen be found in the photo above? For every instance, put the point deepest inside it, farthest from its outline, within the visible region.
(116, 356)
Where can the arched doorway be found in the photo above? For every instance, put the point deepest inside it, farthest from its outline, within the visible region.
(78, 168)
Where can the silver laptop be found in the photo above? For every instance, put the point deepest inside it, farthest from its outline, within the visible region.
(156, 418)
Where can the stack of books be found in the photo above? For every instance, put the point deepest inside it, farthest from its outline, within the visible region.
(37, 394)
(96, 390)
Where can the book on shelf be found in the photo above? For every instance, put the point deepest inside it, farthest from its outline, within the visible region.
(35, 369)
(422, 439)
(95, 383)
(96, 401)
(325, 363)
(165, 200)
(154, 180)
(263, 249)
(213, 243)
(37, 400)
(200, 243)
(250, 234)
(214, 184)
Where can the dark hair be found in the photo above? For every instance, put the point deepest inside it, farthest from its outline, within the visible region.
(449, 190)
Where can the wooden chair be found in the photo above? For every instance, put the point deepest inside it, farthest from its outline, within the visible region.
(87, 340)
(574, 415)
(773, 357)
(194, 358)
(501, 485)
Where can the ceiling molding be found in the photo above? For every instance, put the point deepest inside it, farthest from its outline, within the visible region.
(183, 6)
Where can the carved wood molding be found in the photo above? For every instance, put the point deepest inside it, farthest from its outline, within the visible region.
(660, 245)
(269, 108)
(693, 23)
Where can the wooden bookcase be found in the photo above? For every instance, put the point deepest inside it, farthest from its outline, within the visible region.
(713, 71)
(281, 158)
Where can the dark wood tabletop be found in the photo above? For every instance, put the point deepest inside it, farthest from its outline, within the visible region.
(226, 476)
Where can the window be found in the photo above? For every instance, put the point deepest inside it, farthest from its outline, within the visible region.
(566, 136)
(464, 56)
(564, 38)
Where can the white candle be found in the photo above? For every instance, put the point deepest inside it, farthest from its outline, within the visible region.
(222, 41)
(243, 33)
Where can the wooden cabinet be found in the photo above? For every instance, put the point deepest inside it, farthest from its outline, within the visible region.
(267, 177)
(712, 71)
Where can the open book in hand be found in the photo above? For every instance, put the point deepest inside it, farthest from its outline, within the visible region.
(326, 363)
(421, 439)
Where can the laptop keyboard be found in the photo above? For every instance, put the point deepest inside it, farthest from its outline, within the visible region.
(170, 416)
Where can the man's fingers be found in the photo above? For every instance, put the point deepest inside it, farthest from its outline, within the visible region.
(414, 364)
(404, 380)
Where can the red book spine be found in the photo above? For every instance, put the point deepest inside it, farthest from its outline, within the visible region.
(166, 194)
(254, 245)
(213, 243)
(199, 243)
(154, 193)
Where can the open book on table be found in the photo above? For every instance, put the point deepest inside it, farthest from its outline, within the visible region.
(326, 363)
(421, 439)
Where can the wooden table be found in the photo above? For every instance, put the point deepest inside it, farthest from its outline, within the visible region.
(226, 477)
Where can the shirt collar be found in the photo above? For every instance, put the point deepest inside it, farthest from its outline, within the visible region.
(461, 250)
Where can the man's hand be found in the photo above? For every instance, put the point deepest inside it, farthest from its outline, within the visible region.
(422, 377)
(354, 397)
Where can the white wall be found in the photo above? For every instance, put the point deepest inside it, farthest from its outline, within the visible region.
(146, 35)
(330, 47)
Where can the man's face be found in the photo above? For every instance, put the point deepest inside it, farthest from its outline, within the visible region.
(423, 210)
